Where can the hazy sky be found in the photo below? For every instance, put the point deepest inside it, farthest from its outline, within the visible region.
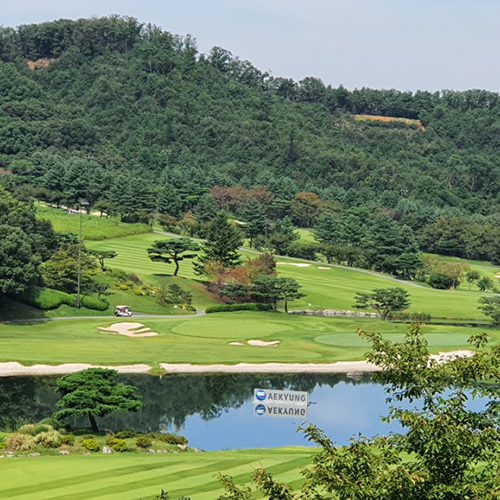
(404, 44)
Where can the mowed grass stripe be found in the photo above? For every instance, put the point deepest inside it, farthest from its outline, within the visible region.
(131, 484)
(85, 478)
(293, 466)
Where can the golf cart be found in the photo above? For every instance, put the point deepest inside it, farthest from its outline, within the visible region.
(122, 311)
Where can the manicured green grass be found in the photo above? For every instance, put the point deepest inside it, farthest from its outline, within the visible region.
(306, 234)
(332, 288)
(205, 340)
(93, 227)
(134, 476)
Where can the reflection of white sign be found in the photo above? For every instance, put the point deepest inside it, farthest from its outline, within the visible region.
(280, 397)
(284, 411)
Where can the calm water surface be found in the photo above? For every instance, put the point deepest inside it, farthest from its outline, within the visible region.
(217, 411)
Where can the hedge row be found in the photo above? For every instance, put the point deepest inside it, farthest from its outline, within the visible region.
(46, 299)
(239, 307)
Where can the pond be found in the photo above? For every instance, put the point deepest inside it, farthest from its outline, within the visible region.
(217, 412)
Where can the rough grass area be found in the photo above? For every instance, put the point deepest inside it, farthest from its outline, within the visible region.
(135, 476)
(93, 227)
(206, 340)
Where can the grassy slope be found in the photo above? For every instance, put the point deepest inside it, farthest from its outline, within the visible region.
(334, 288)
(129, 477)
(93, 227)
(206, 340)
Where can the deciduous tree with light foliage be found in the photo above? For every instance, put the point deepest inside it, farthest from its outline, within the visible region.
(454, 446)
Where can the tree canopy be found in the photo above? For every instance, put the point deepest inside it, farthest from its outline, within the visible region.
(94, 393)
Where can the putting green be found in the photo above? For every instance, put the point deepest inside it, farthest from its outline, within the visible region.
(355, 340)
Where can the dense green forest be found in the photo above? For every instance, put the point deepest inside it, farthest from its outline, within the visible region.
(136, 121)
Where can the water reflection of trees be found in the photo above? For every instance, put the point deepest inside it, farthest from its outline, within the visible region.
(167, 400)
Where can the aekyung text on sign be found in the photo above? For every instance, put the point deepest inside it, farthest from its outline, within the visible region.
(279, 410)
(280, 397)
(275, 403)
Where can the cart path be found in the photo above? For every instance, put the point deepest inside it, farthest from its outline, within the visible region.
(135, 315)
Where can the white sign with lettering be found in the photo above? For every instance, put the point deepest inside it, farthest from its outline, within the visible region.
(269, 396)
(279, 410)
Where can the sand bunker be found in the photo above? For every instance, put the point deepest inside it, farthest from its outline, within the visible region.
(263, 343)
(129, 330)
(259, 343)
(297, 264)
(326, 268)
(13, 368)
(444, 357)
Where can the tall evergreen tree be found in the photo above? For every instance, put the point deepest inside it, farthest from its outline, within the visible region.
(255, 219)
(223, 241)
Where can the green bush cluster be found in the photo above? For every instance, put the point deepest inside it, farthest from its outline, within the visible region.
(49, 439)
(45, 298)
(143, 441)
(20, 442)
(168, 438)
(117, 444)
(91, 444)
(250, 306)
(94, 303)
(125, 434)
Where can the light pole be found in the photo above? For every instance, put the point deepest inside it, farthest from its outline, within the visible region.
(83, 205)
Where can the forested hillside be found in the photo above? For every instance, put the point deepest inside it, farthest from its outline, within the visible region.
(134, 120)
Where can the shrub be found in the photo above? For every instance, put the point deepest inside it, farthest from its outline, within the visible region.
(168, 438)
(68, 439)
(2, 445)
(143, 441)
(132, 277)
(118, 445)
(94, 303)
(123, 287)
(91, 445)
(44, 298)
(54, 423)
(125, 434)
(43, 428)
(20, 442)
(250, 306)
(440, 281)
(28, 429)
(138, 292)
(50, 439)
(129, 283)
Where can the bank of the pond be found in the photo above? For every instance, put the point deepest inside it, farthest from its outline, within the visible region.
(13, 368)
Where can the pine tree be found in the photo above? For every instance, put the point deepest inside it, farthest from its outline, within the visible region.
(255, 219)
(223, 241)
(169, 202)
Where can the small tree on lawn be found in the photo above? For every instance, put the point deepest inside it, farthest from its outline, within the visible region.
(491, 308)
(472, 275)
(383, 300)
(485, 284)
(272, 289)
(101, 255)
(95, 393)
(174, 250)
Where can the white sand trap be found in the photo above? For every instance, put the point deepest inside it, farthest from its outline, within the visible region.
(235, 343)
(263, 343)
(326, 268)
(444, 357)
(297, 264)
(497, 275)
(12, 369)
(129, 330)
